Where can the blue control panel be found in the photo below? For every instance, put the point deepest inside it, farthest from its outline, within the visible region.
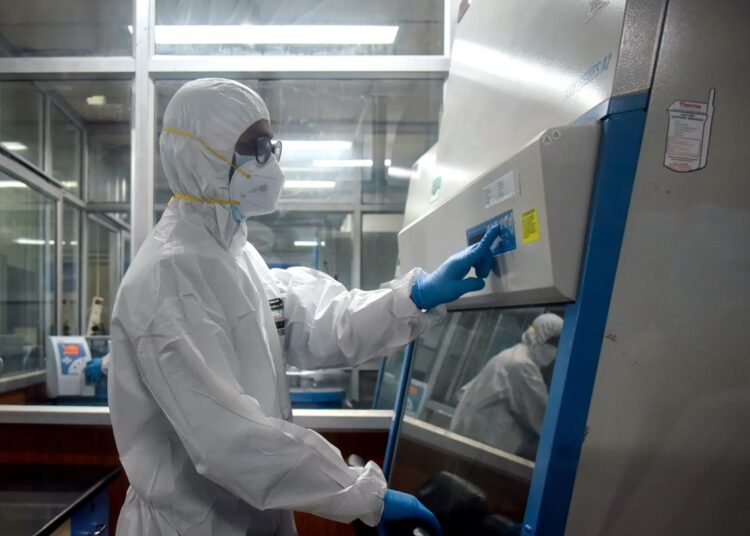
(506, 241)
(70, 354)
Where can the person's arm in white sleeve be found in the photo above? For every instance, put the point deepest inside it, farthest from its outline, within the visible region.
(267, 462)
(328, 325)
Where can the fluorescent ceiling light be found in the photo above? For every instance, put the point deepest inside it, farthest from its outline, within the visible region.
(387, 162)
(308, 243)
(399, 172)
(40, 242)
(317, 145)
(33, 241)
(297, 34)
(12, 184)
(309, 185)
(342, 163)
(70, 184)
(13, 145)
(96, 100)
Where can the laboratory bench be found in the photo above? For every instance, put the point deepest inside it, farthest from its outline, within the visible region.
(80, 437)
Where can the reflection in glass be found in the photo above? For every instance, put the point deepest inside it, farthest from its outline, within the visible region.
(66, 150)
(71, 251)
(66, 28)
(476, 399)
(301, 27)
(27, 275)
(339, 134)
(503, 406)
(314, 239)
(21, 120)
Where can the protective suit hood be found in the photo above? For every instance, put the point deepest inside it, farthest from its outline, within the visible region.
(201, 126)
(544, 327)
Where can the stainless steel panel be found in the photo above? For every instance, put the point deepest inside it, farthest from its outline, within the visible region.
(418, 197)
(669, 426)
(518, 68)
(640, 44)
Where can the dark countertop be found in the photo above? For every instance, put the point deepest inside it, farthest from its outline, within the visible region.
(36, 499)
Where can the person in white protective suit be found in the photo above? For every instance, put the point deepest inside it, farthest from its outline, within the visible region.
(503, 406)
(198, 395)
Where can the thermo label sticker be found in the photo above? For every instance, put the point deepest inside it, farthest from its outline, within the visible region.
(500, 189)
(688, 134)
(530, 226)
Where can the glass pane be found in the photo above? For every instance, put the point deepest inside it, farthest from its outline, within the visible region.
(103, 277)
(475, 405)
(27, 275)
(71, 250)
(66, 150)
(388, 383)
(338, 133)
(314, 239)
(125, 253)
(66, 28)
(379, 248)
(21, 120)
(103, 109)
(300, 27)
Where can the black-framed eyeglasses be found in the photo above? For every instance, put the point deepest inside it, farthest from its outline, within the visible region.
(265, 146)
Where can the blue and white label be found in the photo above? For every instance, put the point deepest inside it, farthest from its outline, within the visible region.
(72, 357)
(505, 242)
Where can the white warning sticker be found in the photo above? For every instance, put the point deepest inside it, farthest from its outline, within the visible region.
(689, 134)
(501, 189)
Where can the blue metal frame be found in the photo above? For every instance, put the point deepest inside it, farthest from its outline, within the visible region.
(398, 410)
(585, 320)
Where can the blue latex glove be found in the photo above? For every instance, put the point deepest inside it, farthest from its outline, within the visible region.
(447, 283)
(398, 505)
(94, 372)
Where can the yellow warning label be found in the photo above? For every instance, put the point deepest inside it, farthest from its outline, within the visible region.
(530, 226)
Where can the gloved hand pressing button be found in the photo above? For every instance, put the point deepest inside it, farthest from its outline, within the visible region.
(400, 506)
(447, 283)
(94, 373)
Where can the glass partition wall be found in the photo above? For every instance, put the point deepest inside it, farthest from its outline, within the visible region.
(56, 138)
(354, 90)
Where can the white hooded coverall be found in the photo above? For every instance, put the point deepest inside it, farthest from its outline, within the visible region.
(504, 405)
(198, 396)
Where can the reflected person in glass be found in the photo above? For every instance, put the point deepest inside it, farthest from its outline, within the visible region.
(503, 406)
(202, 330)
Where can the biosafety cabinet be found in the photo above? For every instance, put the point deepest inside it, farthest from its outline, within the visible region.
(608, 139)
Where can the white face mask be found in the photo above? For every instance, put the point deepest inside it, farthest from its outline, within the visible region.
(259, 193)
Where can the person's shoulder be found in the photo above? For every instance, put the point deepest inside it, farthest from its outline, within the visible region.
(514, 358)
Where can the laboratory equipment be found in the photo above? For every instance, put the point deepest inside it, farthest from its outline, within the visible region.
(610, 143)
(67, 357)
(317, 389)
(66, 363)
